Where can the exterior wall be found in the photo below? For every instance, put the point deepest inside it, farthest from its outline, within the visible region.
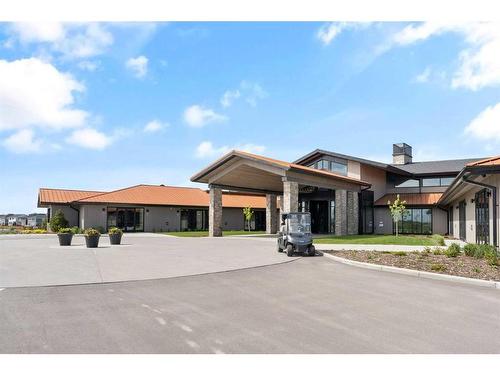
(354, 169)
(382, 220)
(376, 177)
(162, 219)
(470, 211)
(232, 219)
(93, 216)
(439, 221)
(69, 213)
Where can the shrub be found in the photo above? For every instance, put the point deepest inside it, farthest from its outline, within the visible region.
(438, 267)
(65, 231)
(439, 239)
(453, 250)
(75, 230)
(437, 251)
(400, 253)
(91, 232)
(491, 256)
(58, 221)
(479, 251)
(427, 250)
(115, 230)
(470, 249)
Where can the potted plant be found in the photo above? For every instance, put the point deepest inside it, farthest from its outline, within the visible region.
(92, 237)
(115, 235)
(65, 236)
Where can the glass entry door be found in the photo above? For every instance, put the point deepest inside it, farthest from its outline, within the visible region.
(319, 216)
(128, 219)
(461, 220)
(482, 217)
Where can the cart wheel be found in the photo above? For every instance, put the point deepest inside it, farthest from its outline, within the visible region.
(278, 247)
(312, 251)
(289, 250)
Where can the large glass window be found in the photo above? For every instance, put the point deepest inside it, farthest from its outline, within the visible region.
(192, 219)
(338, 166)
(408, 183)
(437, 181)
(416, 221)
(129, 219)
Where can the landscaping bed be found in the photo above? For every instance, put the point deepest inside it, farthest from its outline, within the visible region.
(430, 261)
(381, 239)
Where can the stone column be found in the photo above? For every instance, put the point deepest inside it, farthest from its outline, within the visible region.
(340, 212)
(215, 213)
(352, 212)
(290, 196)
(271, 214)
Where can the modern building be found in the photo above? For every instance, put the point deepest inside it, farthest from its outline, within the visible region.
(349, 195)
(345, 195)
(150, 208)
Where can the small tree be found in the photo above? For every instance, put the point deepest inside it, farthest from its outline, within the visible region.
(58, 221)
(248, 214)
(398, 209)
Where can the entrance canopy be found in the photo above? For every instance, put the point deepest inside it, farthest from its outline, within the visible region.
(238, 170)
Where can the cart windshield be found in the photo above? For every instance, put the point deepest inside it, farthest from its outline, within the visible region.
(299, 223)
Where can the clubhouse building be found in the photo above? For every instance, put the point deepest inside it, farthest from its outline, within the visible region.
(344, 194)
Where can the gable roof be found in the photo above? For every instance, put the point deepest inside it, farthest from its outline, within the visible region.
(495, 160)
(412, 199)
(199, 177)
(52, 196)
(435, 167)
(162, 195)
(315, 153)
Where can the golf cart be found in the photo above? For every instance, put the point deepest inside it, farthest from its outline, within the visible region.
(295, 234)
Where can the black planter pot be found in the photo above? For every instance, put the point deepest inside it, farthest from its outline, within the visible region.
(92, 241)
(65, 239)
(115, 238)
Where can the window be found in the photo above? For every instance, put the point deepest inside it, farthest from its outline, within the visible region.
(416, 221)
(339, 168)
(437, 181)
(408, 183)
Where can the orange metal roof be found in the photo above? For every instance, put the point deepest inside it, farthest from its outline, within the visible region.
(280, 163)
(486, 162)
(47, 196)
(413, 199)
(166, 196)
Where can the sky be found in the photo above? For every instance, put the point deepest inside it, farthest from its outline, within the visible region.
(103, 106)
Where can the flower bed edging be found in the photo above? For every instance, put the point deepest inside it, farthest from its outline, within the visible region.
(423, 274)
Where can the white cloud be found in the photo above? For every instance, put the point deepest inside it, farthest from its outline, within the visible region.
(197, 116)
(88, 65)
(424, 76)
(23, 142)
(207, 150)
(479, 64)
(155, 126)
(486, 126)
(251, 92)
(138, 66)
(35, 93)
(90, 138)
(229, 97)
(36, 32)
(71, 40)
(330, 30)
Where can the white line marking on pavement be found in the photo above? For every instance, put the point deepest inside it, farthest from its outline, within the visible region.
(2, 289)
(161, 320)
(192, 344)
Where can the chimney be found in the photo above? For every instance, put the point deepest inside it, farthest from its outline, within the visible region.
(401, 153)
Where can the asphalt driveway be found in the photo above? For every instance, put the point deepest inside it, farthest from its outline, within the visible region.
(39, 260)
(311, 305)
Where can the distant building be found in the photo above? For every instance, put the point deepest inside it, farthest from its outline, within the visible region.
(36, 220)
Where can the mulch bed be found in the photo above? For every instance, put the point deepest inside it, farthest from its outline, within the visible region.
(460, 266)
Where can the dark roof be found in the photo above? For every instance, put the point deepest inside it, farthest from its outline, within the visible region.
(318, 151)
(435, 167)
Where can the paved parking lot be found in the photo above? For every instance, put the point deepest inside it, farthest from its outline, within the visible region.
(39, 260)
(311, 305)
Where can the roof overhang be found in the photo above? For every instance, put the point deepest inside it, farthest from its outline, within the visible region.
(459, 186)
(243, 171)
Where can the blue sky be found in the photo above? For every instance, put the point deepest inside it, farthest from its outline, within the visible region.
(105, 106)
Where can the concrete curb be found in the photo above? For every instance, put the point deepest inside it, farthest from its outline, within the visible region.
(422, 274)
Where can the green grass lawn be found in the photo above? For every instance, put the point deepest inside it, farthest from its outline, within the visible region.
(377, 239)
(205, 233)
